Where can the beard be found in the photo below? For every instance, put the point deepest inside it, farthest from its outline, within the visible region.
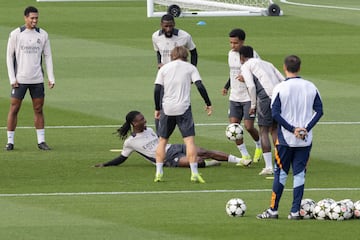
(169, 34)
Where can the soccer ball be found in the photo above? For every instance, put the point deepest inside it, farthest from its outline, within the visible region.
(339, 211)
(350, 205)
(357, 209)
(235, 207)
(306, 208)
(234, 131)
(322, 209)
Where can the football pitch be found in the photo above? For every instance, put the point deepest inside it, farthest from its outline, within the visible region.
(105, 67)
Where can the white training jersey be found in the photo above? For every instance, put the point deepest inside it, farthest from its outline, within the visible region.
(267, 76)
(25, 51)
(177, 77)
(165, 45)
(238, 91)
(144, 143)
(296, 97)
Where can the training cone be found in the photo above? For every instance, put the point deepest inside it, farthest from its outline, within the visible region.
(201, 23)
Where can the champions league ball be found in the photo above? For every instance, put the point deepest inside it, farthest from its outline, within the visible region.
(235, 207)
(234, 131)
(357, 209)
(350, 211)
(322, 209)
(339, 211)
(306, 208)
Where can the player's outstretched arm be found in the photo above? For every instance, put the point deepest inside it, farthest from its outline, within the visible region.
(116, 161)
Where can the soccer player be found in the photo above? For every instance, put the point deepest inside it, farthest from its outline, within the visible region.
(27, 47)
(297, 107)
(239, 100)
(261, 77)
(144, 141)
(168, 37)
(176, 78)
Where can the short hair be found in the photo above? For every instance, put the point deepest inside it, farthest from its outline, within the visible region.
(239, 33)
(292, 63)
(167, 18)
(247, 51)
(29, 10)
(179, 52)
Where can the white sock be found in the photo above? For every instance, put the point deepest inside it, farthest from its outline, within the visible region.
(243, 150)
(233, 159)
(268, 160)
(194, 168)
(159, 168)
(40, 135)
(258, 143)
(10, 136)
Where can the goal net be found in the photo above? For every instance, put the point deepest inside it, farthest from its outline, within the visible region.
(182, 8)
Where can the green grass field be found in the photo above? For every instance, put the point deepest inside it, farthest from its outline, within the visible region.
(105, 67)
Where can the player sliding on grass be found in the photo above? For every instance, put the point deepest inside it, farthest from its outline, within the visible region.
(144, 141)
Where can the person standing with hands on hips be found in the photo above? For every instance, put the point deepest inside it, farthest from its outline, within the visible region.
(27, 46)
(176, 79)
(297, 107)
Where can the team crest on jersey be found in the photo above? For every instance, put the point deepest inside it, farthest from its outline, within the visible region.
(38, 41)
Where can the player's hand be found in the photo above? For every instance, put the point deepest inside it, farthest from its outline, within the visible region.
(157, 114)
(224, 91)
(252, 112)
(15, 85)
(240, 78)
(51, 85)
(209, 110)
(99, 165)
(301, 133)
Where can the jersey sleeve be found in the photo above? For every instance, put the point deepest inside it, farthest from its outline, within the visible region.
(127, 149)
(10, 57)
(48, 60)
(249, 81)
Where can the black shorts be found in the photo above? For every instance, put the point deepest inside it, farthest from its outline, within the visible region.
(240, 110)
(185, 122)
(173, 155)
(36, 91)
(264, 112)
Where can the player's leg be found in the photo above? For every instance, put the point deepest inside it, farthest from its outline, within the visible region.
(273, 132)
(186, 126)
(166, 128)
(17, 95)
(266, 149)
(191, 155)
(249, 123)
(300, 159)
(15, 105)
(38, 97)
(236, 113)
(220, 156)
(265, 122)
(283, 156)
(160, 157)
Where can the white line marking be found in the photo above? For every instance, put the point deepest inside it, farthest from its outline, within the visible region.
(115, 150)
(319, 6)
(152, 125)
(163, 192)
(83, 0)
